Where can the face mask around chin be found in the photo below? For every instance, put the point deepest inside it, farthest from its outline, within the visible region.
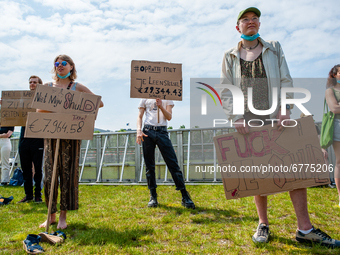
(250, 38)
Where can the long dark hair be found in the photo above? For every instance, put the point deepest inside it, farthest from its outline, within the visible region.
(331, 81)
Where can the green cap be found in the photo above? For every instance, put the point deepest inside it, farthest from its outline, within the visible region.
(250, 9)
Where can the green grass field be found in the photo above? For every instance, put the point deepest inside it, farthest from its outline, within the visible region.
(116, 220)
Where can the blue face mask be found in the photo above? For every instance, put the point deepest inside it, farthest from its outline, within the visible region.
(250, 38)
(64, 77)
(338, 81)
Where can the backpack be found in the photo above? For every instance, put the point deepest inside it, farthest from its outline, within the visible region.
(17, 179)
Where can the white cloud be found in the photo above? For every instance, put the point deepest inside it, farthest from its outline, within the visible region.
(73, 5)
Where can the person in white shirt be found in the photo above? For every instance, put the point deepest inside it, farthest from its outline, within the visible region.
(155, 133)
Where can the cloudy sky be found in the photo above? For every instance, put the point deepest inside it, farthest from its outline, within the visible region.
(103, 37)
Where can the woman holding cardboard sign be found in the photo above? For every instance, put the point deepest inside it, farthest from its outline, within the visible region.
(333, 101)
(67, 165)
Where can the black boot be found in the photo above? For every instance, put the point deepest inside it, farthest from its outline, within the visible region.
(37, 198)
(153, 198)
(186, 199)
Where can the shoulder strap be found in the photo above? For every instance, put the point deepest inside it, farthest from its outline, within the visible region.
(325, 106)
(335, 95)
(69, 86)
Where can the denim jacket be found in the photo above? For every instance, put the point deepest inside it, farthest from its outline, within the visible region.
(276, 69)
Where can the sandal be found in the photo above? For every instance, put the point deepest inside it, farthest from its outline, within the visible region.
(31, 244)
(53, 238)
(5, 201)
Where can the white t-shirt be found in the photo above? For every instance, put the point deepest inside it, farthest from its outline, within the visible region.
(151, 111)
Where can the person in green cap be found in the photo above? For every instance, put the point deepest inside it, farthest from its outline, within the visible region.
(261, 65)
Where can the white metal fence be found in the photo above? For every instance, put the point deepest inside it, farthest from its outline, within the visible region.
(117, 158)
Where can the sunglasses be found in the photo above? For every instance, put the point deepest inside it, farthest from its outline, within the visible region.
(64, 63)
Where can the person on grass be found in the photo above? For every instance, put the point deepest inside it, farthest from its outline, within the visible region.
(65, 73)
(155, 133)
(261, 65)
(31, 151)
(5, 151)
(333, 102)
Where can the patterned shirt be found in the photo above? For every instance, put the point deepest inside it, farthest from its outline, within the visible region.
(254, 75)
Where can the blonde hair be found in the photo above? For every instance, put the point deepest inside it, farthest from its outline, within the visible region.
(69, 60)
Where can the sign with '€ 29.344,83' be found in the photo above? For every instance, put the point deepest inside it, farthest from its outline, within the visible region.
(73, 114)
(156, 80)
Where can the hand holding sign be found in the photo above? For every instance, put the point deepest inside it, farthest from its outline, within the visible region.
(78, 122)
(65, 101)
(268, 161)
(156, 80)
(57, 125)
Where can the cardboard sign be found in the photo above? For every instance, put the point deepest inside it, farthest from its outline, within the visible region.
(267, 161)
(65, 100)
(156, 80)
(15, 106)
(59, 125)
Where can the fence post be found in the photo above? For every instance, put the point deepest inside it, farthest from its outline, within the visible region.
(99, 176)
(137, 161)
(84, 159)
(124, 158)
(188, 156)
(180, 149)
(215, 163)
(98, 156)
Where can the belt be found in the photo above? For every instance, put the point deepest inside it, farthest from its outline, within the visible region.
(164, 128)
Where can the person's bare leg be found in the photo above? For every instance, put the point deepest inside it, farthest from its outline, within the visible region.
(62, 220)
(261, 206)
(299, 200)
(337, 183)
(52, 220)
(336, 147)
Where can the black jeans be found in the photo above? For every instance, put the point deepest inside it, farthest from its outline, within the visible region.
(159, 136)
(31, 150)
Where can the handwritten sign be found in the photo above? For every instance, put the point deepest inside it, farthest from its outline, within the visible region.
(156, 80)
(59, 125)
(267, 161)
(65, 101)
(15, 106)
